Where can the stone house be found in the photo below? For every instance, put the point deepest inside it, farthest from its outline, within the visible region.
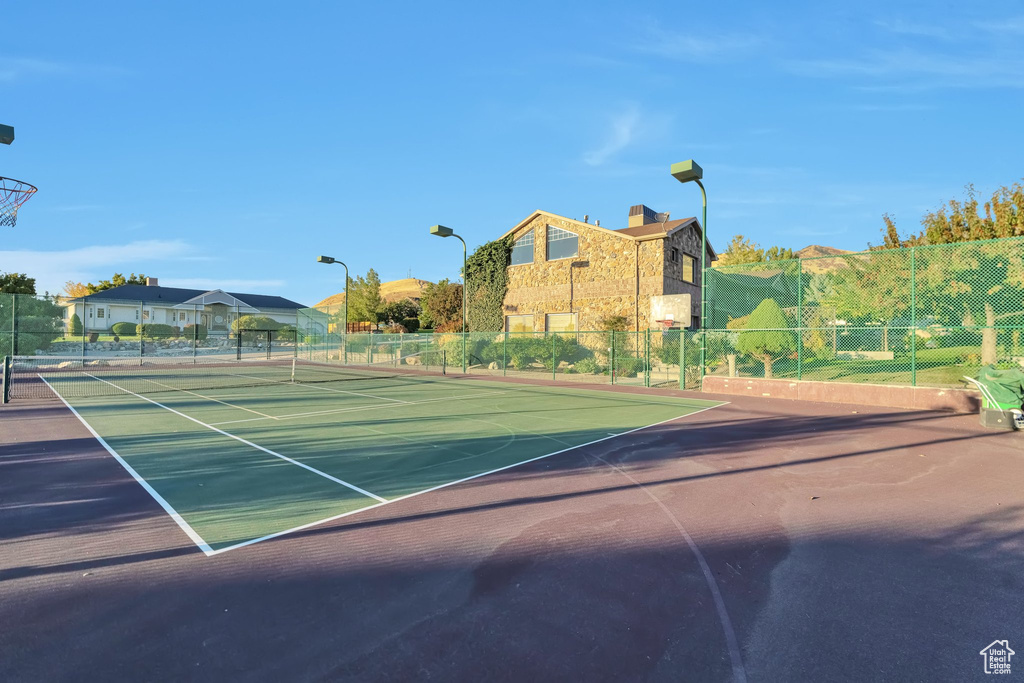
(567, 274)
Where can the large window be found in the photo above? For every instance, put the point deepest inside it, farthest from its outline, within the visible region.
(562, 243)
(689, 266)
(519, 323)
(522, 250)
(560, 322)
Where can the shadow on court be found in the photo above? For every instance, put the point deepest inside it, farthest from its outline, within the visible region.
(889, 544)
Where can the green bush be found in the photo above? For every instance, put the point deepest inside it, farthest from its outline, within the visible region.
(255, 322)
(588, 366)
(158, 331)
(628, 366)
(198, 332)
(411, 324)
(75, 328)
(123, 329)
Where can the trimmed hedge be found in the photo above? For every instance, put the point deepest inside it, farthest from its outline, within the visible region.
(159, 331)
(124, 329)
(197, 332)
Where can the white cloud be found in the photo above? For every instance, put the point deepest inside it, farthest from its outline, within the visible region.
(254, 286)
(621, 133)
(17, 68)
(697, 46)
(52, 269)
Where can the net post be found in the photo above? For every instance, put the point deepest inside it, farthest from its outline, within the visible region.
(295, 342)
(195, 333)
(444, 362)
(504, 354)
(270, 343)
(5, 379)
(238, 344)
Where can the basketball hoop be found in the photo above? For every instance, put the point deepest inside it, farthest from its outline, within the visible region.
(13, 193)
(666, 324)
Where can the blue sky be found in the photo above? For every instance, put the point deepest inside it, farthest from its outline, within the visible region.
(227, 144)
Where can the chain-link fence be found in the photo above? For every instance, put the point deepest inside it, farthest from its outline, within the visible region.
(924, 316)
(97, 327)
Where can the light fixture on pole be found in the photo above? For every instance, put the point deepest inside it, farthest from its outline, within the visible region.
(442, 231)
(331, 259)
(685, 172)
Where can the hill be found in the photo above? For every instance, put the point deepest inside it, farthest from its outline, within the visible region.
(815, 250)
(396, 290)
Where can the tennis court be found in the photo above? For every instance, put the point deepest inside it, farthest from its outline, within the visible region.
(240, 452)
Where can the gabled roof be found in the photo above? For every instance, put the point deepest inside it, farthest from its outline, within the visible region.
(180, 295)
(650, 231)
(1001, 644)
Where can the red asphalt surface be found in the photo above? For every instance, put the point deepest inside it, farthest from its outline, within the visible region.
(764, 540)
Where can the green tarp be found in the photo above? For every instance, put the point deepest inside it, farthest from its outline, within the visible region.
(1006, 386)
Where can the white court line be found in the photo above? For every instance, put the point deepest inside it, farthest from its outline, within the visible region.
(334, 411)
(451, 483)
(189, 531)
(247, 443)
(208, 398)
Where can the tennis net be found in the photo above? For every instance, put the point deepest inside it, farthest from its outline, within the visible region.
(41, 376)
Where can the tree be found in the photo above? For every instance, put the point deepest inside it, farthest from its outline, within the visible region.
(75, 328)
(767, 336)
(17, 283)
(742, 250)
(983, 284)
(116, 281)
(397, 311)
(366, 302)
(442, 305)
(75, 290)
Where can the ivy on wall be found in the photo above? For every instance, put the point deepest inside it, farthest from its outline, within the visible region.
(487, 278)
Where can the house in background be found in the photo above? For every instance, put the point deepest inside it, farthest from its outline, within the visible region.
(175, 306)
(567, 274)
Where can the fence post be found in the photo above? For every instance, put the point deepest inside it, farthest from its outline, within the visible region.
(138, 329)
(913, 316)
(800, 320)
(554, 357)
(647, 357)
(14, 325)
(611, 357)
(682, 359)
(504, 355)
(85, 326)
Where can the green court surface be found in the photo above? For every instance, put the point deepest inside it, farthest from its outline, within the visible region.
(237, 466)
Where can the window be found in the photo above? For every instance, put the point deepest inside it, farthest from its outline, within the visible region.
(689, 264)
(101, 312)
(522, 250)
(560, 322)
(145, 315)
(675, 255)
(181, 316)
(695, 322)
(519, 323)
(562, 243)
(136, 314)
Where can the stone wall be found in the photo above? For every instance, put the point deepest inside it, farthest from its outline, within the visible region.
(607, 286)
(687, 241)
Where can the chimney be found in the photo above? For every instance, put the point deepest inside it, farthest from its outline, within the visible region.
(640, 214)
(151, 282)
(586, 218)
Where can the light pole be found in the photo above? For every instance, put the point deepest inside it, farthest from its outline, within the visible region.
(685, 172)
(442, 231)
(331, 259)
